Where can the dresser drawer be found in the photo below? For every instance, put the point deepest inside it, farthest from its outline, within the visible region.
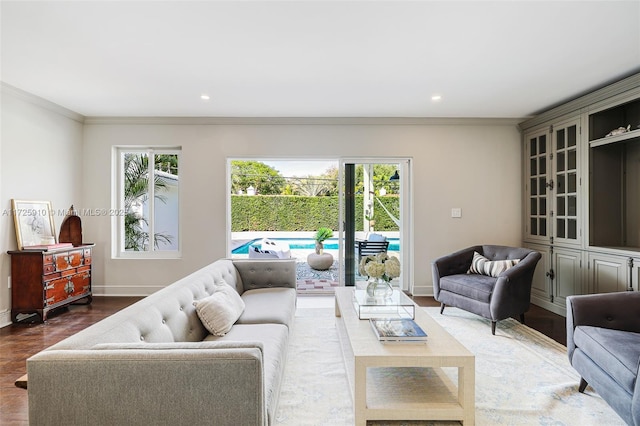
(60, 289)
(56, 290)
(71, 259)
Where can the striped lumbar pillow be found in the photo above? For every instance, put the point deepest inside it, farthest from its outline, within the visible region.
(492, 268)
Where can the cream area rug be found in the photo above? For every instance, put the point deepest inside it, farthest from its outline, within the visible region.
(522, 376)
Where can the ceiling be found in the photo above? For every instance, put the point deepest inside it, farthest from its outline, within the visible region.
(331, 58)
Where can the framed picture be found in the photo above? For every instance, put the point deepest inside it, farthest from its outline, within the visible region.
(34, 223)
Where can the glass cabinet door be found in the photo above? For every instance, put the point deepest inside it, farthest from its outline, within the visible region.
(537, 149)
(566, 182)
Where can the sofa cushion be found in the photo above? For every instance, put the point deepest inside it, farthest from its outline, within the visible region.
(616, 352)
(477, 287)
(275, 305)
(221, 310)
(492, 268)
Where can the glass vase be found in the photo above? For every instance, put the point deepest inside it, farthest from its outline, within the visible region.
(378, 287)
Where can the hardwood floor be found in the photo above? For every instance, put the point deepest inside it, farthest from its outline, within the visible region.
(19, 341)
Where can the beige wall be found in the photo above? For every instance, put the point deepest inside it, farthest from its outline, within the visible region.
(471, 164)
(40, 159)
(50, 153)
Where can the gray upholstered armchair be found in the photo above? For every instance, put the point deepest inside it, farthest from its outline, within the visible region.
(506, 294)
(603, 344)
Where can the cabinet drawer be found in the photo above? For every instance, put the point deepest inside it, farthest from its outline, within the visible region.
(56, 290)
(60, 289)
(71, 259)
(81, 284)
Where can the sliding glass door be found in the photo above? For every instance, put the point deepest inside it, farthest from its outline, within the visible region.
(374, 207)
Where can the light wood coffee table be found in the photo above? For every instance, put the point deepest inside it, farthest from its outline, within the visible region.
(404, 381)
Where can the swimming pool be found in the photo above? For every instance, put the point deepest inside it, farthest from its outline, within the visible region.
(306, 244)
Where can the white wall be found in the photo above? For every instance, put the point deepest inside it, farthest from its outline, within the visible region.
(47, 153)
(40, 159)
(471, 164)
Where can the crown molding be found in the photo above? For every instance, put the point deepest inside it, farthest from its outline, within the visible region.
(583, 102)
(38, 101)
(313, 121)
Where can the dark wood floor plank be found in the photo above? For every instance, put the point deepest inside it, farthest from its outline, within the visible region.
(20, 341)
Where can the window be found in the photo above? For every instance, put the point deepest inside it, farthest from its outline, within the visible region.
(147, 202)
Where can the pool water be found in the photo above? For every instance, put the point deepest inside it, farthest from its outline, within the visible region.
(306, 244)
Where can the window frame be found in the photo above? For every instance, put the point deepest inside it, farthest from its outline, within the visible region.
(118, 204)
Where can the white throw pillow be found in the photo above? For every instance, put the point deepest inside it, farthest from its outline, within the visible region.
(221, 310)
(484, 266)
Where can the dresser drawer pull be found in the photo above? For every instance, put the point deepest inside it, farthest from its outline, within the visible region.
(69, 288)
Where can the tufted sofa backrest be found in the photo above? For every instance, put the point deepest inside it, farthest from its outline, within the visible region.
(265, 273)
(167, 315)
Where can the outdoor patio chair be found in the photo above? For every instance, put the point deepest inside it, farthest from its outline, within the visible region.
(374, 244)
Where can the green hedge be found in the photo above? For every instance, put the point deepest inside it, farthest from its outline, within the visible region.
(296, 213)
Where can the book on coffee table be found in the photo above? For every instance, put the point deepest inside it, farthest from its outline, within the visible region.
(398, 330)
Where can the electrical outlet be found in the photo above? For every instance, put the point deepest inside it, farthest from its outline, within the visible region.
(9, 281)
(456, 212)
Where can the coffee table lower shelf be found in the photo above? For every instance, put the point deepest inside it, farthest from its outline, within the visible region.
(392, 386)
(410, 393)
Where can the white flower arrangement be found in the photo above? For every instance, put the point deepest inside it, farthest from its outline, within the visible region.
(381, 266)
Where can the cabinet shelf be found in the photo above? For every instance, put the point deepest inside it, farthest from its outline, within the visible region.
(628, 136)
(616, 248)
(623, 115)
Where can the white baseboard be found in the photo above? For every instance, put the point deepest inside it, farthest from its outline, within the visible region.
(5, 318)
(422, 290)
(548, 306)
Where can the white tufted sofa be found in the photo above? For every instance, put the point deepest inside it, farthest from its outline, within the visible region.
(153, 363)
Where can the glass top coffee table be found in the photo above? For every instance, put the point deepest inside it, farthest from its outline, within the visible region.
(404, 381)
(395, 306)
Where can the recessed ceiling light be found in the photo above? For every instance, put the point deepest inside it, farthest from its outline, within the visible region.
(204, 97)
(436, 98)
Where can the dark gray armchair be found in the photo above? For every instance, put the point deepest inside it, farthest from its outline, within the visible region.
(495, 298)
(603, 344)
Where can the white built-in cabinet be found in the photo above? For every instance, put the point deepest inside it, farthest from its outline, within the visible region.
(553, 184)
(553, 210)
(581, 199)
(607, 273)
(541, 285)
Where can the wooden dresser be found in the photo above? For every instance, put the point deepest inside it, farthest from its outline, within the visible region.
(45, 280)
